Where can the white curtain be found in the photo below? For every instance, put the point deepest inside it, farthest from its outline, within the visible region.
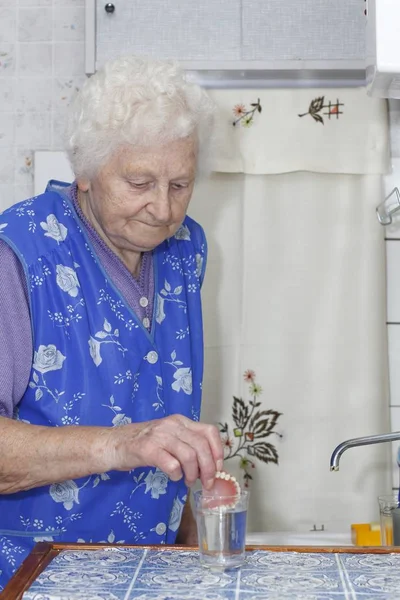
(295, 290)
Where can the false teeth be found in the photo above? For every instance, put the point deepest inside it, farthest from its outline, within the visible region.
(215, 499)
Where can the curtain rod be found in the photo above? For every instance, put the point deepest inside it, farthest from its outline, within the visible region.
(267, 79)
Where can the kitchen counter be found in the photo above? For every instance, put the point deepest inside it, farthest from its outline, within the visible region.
(117, 572)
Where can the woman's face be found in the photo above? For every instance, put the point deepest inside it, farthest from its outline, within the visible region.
(140, 197)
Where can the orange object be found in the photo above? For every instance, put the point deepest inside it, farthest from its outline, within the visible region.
(366, 534)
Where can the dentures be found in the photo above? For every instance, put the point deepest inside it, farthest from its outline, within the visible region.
(224, 493)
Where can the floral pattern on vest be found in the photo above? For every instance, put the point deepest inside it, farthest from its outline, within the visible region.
(95, 364)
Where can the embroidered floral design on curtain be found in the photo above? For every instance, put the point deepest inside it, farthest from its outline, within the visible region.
(250, 426)
(246, 116)
(317, 105)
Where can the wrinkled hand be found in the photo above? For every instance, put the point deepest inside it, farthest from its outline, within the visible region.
(175, 444)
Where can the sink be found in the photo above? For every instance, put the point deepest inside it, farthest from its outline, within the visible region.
(290, 538)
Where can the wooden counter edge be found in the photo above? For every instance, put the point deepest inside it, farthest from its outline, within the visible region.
(41, 555)
(44, 552)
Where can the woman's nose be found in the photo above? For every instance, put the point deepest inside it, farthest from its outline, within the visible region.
(160, 206)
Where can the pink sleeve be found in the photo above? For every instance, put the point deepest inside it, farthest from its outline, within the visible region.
(15, 332)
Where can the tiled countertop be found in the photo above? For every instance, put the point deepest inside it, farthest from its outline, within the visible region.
(142, 574)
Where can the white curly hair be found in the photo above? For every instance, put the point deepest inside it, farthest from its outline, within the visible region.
(135, 101)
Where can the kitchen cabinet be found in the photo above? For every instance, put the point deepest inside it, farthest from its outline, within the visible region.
(229, 34)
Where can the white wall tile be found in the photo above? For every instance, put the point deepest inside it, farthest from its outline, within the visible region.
(64, 90)
(34, 93)
(6, 129)
(35, 59)
(6, 166)
(23, 192)
(35, 24)
(34, 2)
(393, 280)
(33, 129)
(394, 363)
(395, 418)
(41, 65)
(24, 167)
(6, 196)
(7, 59)
(69, 26)
(69, 2)
(7, 93)
(69, 59)
(58, 131)
(7, 24)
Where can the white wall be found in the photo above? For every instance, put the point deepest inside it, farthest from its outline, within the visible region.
(41, 65)
(393, 285)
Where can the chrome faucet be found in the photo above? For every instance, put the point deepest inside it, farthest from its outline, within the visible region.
(361, 441)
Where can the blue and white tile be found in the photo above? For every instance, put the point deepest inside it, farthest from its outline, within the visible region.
(63, 595)
(185, 577)
(371, 562)
(292, 582)
(291, 596)
(375, 582)
(182, 595)
(109, 558)
(284, 560)
(88, 577)
(169, 558)
(135, 574)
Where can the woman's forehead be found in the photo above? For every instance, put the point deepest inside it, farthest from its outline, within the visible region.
(178, 156)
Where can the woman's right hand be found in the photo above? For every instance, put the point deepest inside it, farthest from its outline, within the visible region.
(176, 445)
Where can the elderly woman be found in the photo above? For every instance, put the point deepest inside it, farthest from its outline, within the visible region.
(101, 353)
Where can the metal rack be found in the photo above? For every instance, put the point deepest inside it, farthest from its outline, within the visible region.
(390, 205)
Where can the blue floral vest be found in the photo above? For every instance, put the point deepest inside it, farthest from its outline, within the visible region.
(95, 364)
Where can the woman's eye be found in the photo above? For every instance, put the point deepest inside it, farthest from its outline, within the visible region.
(139, 186)
(179, 186)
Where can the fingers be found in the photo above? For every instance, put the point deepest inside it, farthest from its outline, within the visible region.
(176, 445)
(212, 434)
(169, 465)
(203, 456)
(187, 457)
(206, 442)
